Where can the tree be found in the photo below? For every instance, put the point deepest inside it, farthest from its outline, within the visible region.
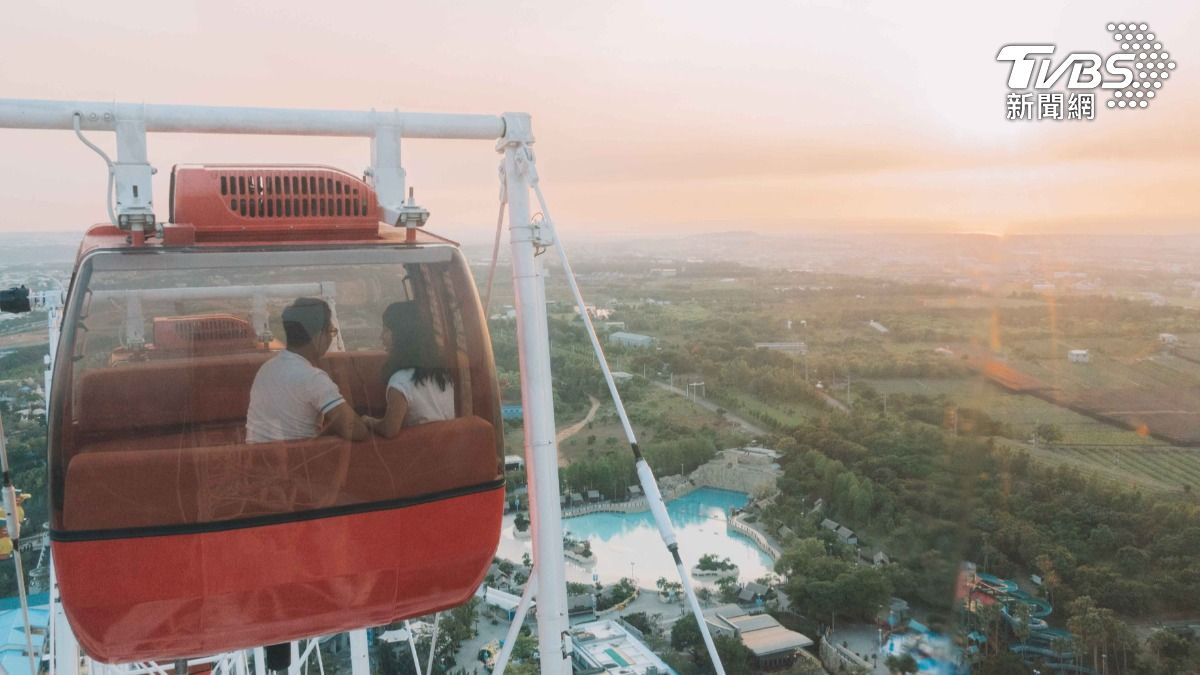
(1047, 433)
(905, 664)
(668, 589)
(1176, 653)
(642, 622)
(685, 634)
(521, 521)
(735, 657)
(1001, 663)
(728, 586)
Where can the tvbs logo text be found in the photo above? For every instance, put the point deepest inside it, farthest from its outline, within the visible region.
(1043, 87)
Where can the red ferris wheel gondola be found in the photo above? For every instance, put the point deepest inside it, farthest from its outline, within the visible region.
(174, 537)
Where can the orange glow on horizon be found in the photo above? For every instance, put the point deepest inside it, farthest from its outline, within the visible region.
(809, 117)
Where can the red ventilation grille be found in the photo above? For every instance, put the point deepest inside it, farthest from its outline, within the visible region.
(220, 332)
(233, 200)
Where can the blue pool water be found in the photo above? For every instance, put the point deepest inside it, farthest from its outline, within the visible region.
(628, 544)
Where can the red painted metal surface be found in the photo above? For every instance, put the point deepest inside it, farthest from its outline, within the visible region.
(236, 201)
(107, 237)
(188, 595)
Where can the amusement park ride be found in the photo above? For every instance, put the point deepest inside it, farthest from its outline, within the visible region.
(176, 542)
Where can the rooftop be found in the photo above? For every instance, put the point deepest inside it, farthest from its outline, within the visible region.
(762, 634)
(13, 659)
(767, 641)
(607, 645)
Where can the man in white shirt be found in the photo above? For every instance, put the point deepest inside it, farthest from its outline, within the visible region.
(292, 399)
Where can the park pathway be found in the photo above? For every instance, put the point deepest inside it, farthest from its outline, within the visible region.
(565, 433)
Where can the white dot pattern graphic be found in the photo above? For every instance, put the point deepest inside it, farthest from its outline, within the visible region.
(1149, 62)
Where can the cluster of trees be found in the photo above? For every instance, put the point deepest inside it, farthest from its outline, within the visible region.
(933, 499)
(870, 361)
(688, 642)
(824, 583)
(576, 373)
(940, 411)
(711, 562)
(926, 491)
(616, 594)
(612, 472)
(1174, 651)
(27, 457)
(455, 626)
(1093, 316)
(668, 589)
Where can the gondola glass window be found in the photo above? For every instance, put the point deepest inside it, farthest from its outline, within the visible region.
(164, 347)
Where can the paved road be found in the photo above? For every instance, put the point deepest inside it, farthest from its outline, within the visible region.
(468, 652)
(709, 405)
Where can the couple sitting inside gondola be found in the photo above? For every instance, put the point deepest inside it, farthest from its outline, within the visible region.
(293, 399)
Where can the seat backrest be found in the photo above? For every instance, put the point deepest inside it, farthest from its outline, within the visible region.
(359, 376)
(174, 393)
(156, 394)
(187, 485)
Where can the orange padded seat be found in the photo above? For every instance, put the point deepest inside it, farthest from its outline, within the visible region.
(158, 394)
(199, 401)
(169, 486)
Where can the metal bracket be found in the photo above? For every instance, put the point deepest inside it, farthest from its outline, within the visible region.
(132, 172)
(542, 232)
(568, 648)
(411, 215)
(387, 176)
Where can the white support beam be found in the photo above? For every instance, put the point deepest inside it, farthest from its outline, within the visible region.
(537, 398)
(360, 655)
(158, 118)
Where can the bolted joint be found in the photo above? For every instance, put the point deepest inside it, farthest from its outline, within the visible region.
(518, 130)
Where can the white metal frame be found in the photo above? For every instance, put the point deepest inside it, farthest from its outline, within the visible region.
(131, 174)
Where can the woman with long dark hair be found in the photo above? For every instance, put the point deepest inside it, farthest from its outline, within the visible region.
(420, 388)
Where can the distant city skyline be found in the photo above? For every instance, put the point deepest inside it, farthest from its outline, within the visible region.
(650, 117)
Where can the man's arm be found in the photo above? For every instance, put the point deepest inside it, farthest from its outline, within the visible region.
(343, 421)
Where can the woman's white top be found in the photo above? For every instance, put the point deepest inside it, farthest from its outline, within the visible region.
(427, 402)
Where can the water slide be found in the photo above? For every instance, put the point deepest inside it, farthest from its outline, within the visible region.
(1053, 658)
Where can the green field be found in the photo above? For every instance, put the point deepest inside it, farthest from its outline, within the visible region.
(1088, 444)
(790, 415)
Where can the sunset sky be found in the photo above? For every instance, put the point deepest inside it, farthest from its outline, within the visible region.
(650, 116)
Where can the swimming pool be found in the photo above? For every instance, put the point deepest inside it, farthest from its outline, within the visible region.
(627, 544)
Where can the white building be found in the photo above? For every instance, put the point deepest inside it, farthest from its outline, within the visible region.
(608, 646)
(773, 646)
(631, 340)
(785, 347)
(1168, 338)
(1079, 356)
